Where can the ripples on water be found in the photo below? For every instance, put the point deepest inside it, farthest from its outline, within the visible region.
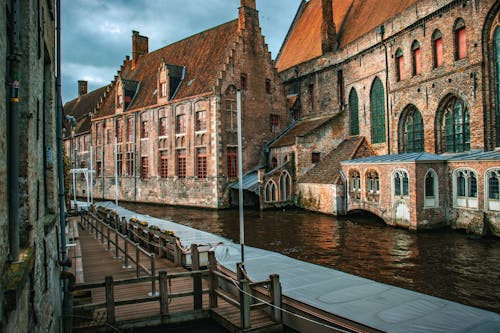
(442, 263)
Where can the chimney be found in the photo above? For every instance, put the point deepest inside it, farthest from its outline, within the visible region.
(82, 87)
(248, 3)
(328, 30)
(139, 46)
(248, 18)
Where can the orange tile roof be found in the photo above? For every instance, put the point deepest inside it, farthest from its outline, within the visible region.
(353, 19)
(81, 106)
(301, 128)
(202, 55)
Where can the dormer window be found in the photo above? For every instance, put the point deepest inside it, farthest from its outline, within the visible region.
(163, 90)
(163, 82)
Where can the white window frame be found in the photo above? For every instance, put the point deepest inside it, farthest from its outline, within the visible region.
(466, 201)
(491, 203)
(402, 173)
(431, 201)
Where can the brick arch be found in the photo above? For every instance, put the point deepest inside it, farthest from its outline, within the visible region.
(369, 208)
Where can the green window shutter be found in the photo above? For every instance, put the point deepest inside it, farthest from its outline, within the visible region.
(377, 111)
(354, 112)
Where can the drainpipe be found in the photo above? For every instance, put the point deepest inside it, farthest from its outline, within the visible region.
(13, 135)
(59, 117)
(387, 111)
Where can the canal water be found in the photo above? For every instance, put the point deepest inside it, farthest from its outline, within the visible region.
(442, 263)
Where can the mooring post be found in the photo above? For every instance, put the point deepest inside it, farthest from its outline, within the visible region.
(123, 225)
(212, 279)
(276, 297)
(195, 266)
(245, 304)
(110, 300)
(163, 280)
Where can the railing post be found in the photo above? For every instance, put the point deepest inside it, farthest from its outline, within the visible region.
(126, 265)
(110, 300)
(245, 304)
(96, 229)
(102, 232)
(137, 267)
(197, 289)
(163, 280)
(109, 240)
(123, 226)
(212, 279)
(276, 297)
(153, 292)
(177, 254)
(117, 247)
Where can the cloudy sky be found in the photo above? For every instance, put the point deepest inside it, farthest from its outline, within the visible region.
(96, 34)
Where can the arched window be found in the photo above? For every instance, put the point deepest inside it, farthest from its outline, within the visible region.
(401, 185)
(274, 162)
(465, 188)
(492, 182)
(411, 131)
(372, 185)
(270, 192)
(285, 186)
(377, 111)
(400, 66)
(460, 39)
(354, 184)
(353, 112)
(416, 58)
(437, 48)
(431, 189)
(454, 124)
(496, 44)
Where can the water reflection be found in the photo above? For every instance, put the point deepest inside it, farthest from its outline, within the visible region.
(442, 263)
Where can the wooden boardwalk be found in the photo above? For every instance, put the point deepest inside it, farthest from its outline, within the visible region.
(113, 295)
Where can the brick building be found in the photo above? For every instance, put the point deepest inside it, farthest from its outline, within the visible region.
(30, 282)
(412, 76)
(172, 113)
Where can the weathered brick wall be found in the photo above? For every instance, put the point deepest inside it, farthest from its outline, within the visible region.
(4, 231)
(317, 197)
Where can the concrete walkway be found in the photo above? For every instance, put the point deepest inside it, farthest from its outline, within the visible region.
(381, 306)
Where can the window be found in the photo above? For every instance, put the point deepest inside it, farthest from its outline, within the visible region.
(493, 189)
(401, 186)
(274, 121)
(98, 167)
(372, 185)
(130, 163)
(270, 192)
(315, 157)
(437, 48)
(460, 39)
(232, 162)
(354, 185)
(163, 87)
(496, 45)
(201, 163)
(119, 163)
(243, 81)
(163, 164)
(431, 198)
(465, 188)
(411, 131)
(130, 129)
(310, 91)
(232, 114)
(201, 121)
(268, 86)
(416, 58)
(181, 163)
(340, 88)
(108, 136)
(285, 186)
(429, 185)
(400, 66)
(180, 124)
(144, 129)
(377, 109)
(274, 163)
(454, 126)
(353, 113)
(99, 134)
(118, 130)
(144, 167)
(162, 131)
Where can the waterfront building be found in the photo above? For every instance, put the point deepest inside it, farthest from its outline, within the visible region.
(30, 281)
(418, 79)
(173, 115)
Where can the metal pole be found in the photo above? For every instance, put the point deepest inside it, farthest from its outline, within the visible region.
(116, 171)
(240, 178)
(91, 174)
(13, 137)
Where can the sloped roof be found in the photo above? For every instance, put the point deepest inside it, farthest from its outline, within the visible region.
(493, 155)
(250, 182)
(202, 55)
(352, 18)
(300, 128)
(80, 108)
(400, 158)
(327, 170)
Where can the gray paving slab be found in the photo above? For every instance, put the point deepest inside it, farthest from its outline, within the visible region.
(378, 305)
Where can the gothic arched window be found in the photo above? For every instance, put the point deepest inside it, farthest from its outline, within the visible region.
(453, 126)
(353, 112)
(411, 131)
(377, 111)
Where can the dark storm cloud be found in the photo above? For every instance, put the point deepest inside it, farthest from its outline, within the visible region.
(96, 34)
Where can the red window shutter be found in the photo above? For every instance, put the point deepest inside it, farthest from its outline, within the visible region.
(461, 43)
(401, 68)
(439, 52)
(418, 64)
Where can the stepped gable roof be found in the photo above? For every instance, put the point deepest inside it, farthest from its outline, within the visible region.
(202, 55)
(80, 108)
(327, 170)
(353, 19)
(300, 128)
